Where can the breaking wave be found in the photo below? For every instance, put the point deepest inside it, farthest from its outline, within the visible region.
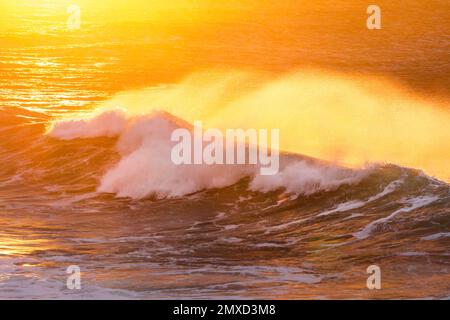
(145, 167)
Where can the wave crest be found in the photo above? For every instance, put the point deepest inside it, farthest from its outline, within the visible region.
(145, 168)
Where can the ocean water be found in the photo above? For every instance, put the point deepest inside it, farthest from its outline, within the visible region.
(148, 233)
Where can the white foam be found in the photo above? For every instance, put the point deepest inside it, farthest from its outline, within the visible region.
(436, 236)
(355, 204)
(145, 167)
(353, 215)
(19, 282)
(412, 254)
(302, 177)
(414, 203)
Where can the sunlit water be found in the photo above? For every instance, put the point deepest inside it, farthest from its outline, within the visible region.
(227, 243)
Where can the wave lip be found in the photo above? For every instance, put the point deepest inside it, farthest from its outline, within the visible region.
(107, 124)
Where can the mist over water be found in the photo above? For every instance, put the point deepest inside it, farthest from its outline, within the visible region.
(345, 119)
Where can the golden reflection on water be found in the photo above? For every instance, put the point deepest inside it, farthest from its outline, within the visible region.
(10, 246)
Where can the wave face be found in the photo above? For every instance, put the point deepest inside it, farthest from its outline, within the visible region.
(100, 192)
